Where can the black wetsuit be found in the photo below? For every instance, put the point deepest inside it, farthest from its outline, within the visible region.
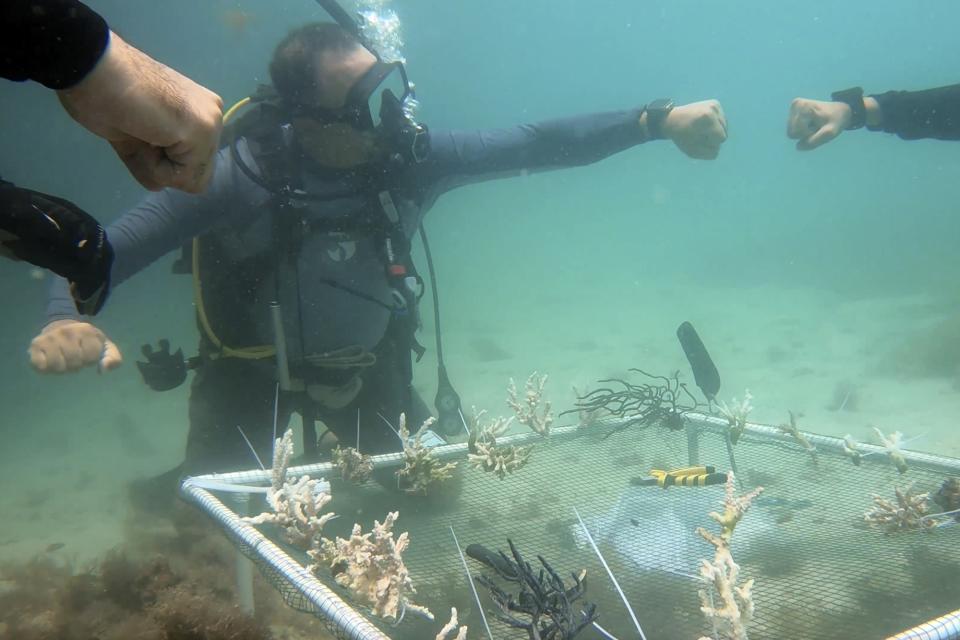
(912, 115)
(56, 43)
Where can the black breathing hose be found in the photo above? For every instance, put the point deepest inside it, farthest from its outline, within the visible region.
(449, 416)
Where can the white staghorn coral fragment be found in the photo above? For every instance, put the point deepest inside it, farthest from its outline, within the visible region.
(371, 566)
(794, 432)
(421, 469)
(734, 507)
(485, 454)
(282, 453)
(909, 513)
(533, 411)
(736, 414)
(892, 444)
(852, 450)
(354, 466)
(735, 610)
(736, 600)
(296, 503)
(450, 627)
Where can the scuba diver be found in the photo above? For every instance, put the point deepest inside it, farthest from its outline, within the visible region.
(300, 247)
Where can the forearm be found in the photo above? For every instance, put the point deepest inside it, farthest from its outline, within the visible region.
(54, 42)
(461, 157)
(60, 304)
(163, 221)
(912, 115)
(139, 237)
(582, 140)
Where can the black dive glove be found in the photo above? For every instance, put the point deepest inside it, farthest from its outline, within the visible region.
(56, 234)
(162, 370)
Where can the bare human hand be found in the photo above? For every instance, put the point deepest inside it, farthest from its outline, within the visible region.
(698, 129)
(65, 346)
(164, 126)
(813, 123)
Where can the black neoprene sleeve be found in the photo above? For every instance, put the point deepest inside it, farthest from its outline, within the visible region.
(54, 42)
(911, 115)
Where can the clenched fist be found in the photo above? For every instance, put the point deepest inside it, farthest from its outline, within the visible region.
(65, 346)
(813, 123)
(164, 126)
(698, 129)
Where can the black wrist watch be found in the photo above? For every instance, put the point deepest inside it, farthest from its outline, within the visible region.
(854, 99)
(657, 112)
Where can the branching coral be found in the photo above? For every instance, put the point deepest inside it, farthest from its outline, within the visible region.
(371, 566)
(450, 627)
(736, 414)
(735, 610)
(909, 513)
(734, 507)
(533, 411)
(354, 466)
(852, 450)
(892, 444)
(485, 454)
(421, 469)
(794, 432)
(296, 503)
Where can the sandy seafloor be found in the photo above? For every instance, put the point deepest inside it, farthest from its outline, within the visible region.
(73, 443)
(581, 300)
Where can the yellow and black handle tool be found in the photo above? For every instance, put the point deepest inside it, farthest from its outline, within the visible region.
(701, 476)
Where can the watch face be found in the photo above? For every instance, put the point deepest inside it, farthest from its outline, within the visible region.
(661, 104)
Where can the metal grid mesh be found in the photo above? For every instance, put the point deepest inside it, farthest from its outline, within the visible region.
(819, 571)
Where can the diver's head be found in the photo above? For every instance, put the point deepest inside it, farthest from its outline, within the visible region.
(316, 65)
(347, 104)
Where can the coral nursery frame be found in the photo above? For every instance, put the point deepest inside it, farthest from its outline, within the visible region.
(820, 571)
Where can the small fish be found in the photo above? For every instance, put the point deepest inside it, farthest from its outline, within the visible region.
(54, 546)
(237, 20)
(634, 522)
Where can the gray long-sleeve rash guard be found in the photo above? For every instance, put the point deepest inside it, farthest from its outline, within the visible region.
(333, 318)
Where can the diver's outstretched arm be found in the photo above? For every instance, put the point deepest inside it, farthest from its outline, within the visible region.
(463, 157)
(910, 115)
(159, 224)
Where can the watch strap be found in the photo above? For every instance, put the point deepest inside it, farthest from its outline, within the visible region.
(853, 98)
(657, 112)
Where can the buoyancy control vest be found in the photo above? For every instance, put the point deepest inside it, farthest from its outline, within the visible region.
(240, 269)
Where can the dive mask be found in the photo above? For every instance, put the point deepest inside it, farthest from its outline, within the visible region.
(379, 102)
